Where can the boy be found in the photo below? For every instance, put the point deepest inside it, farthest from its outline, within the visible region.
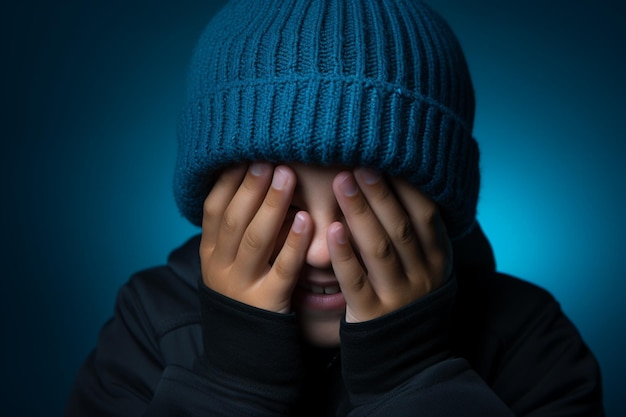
(326, 151)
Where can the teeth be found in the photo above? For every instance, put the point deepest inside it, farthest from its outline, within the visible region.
(332, 290)
(323, 290)
(317, 290)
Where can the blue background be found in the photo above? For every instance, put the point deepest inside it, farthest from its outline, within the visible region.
(92, 93)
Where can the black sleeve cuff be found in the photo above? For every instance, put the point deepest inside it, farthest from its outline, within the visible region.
(248, 346)
(381, 354)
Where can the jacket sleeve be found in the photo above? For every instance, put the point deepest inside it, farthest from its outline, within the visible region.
(401, 365)
(250, 366)
(127, 375)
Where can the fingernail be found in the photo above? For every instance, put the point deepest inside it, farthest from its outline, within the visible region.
(370, 176)
(298, 223)
(340, 234)
(280, 179)
(348, 186)
(258, 168)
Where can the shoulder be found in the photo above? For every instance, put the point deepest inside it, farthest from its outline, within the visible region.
(512, 297)
(495, 308)
(515, 335)
(491, 304)
(161, 304)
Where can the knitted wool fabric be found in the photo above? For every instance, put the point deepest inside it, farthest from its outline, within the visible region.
(376, 83)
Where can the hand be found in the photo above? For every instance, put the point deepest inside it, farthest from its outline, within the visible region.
(242, 221)
(396, 249)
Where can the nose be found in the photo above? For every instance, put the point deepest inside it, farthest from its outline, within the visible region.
(317, 255)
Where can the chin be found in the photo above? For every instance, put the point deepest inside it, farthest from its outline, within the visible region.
(320, 332)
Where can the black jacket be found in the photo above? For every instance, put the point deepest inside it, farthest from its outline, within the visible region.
(485, 344)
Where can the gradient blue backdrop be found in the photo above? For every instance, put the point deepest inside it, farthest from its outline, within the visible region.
(91, 101)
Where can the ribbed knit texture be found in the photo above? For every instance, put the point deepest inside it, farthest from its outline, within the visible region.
(377, 83)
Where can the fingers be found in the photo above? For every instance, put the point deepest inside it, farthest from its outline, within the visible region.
(402, 250)
(373, 241)
(389, 249)
(431, 230)
(244, 215)
(286, 268)
(390, 211)
(257, 242)
(216, 203)
(353, 279)
(241, 210)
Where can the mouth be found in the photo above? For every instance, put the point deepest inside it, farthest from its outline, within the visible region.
(318, 289)
(319, 298)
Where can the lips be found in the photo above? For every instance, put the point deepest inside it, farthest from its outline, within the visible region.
(321, 296)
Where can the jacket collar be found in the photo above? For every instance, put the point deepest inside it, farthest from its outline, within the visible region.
(473, 253)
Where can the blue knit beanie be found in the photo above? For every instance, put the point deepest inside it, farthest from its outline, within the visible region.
(376, 83)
